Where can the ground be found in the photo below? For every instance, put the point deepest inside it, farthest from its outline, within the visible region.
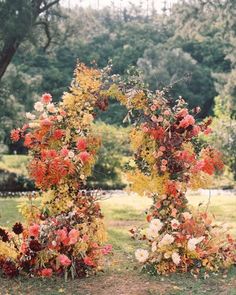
(122, 275)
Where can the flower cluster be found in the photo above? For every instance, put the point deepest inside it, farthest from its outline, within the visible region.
(65, 233)
(170, 159)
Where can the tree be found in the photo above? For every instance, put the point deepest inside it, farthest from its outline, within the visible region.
(18, 19)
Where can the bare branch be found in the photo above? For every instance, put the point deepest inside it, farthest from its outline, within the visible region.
(47, 6)
(45, 24)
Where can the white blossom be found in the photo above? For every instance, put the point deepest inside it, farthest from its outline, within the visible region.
(141, 255)
(30, 116)
(38, 106)
(166, 240)
(193, 242)
(175, 258)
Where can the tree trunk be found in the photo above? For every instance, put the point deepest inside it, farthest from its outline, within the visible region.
(7, 54)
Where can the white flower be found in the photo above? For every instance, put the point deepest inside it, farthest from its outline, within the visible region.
(44, 115)
(187, 215)
(34, 125)
(30, 116)
(156, 223)
(154, 246)
(152, 232)
(51, 108)
(141, 255)
(166, 240)
(59, 118)
(174, 223)
(38, 106)
(176, 258)
(193, 242)
(71, 154)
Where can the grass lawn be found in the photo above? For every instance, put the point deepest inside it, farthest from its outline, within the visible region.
(122, 275)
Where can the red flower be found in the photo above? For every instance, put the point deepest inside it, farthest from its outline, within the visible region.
(64, 152)
(15, 135)
(157, 133)
(46, 98)
(46, 123)
(81, 144)
(84, 156)
(88, 261)
(46, 272)
(58, 134)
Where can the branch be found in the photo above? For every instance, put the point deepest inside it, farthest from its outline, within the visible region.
(47, 6)
(47, 32)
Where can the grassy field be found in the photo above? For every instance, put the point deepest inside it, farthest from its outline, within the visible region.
(122, 275)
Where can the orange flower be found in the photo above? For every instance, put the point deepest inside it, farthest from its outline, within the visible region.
(46, 272)
(34, 230)
(15, 135)
(81, 144)
(84, 156)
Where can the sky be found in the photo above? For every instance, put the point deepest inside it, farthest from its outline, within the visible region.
(158, 4)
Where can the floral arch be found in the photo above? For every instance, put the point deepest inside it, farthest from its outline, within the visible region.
(65, 234)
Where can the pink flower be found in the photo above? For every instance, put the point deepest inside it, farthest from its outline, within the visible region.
(46, 272)
(73, 236)
(88, 261)
(187, 121)
(45, 122)
(62, 235)
(163, 168)
(46, 98)
(162, 148)
(64, 260)
(153, 108)
(81, 144)
(166, 112)
(107, 249)
(84, 156)
(34, 230)
(64, 152)
(196, 130)
(164, 162)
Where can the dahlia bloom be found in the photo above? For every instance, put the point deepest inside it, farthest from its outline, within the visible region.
(64, 260)
(46, 98)
(141, 255)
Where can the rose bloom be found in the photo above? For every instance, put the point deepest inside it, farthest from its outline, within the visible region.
(141, 255)
(64, 260)
(193, 242)
(175, 258)
(174, 223)
(73, 236)
(152, 232)
(163, 168)
(30, 116)
(84, 156)
(46, 272)
(81, 144)
(34, 230)
(156, 223)
(51, 108)
(187, 121)
(38, 106)
(187, 215)
(46, 98)
(166, 240)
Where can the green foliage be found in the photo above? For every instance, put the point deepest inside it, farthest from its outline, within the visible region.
(107, 172)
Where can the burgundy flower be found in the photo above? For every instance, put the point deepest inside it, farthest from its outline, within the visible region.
(9, 269)
(17, 228)
(35, 246)
(4, 235)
